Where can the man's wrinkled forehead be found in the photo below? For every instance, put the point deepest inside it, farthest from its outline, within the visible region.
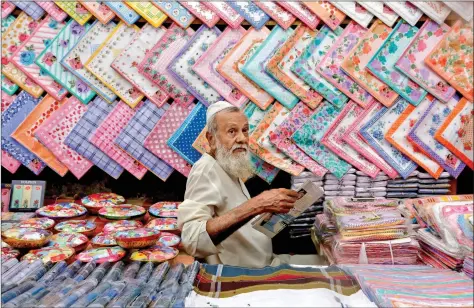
(234, 118)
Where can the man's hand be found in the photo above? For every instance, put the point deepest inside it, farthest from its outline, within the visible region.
(276, 200)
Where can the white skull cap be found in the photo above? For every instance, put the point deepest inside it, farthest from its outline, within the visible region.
(215, 108)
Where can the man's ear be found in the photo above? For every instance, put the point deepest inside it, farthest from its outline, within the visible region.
(211, 139)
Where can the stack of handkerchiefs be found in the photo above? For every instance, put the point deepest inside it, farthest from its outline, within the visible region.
(429, 186)
(345, 186)
(403, 188)
(298, 181)
(367, 187)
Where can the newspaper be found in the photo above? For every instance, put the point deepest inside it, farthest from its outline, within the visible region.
(271, 224)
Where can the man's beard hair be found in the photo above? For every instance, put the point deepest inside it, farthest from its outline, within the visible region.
(237, 165)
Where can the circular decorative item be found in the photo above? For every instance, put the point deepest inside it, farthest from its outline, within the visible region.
(169, 239)
(37, 223)
(137, 238)
(95, 202)
(104, 240)
(120, 212)
(74, 240)
(102, 254)
(85, 227)
(164, 209)
(121, 225)
(26, 237)
(47, 254)
(157, 253)
(62, 210)
(163, 224)
(8, 253)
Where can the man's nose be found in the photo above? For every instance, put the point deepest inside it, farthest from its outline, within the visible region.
(242, 138)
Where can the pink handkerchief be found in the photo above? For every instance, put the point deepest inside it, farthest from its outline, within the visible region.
(327, 12)
(127, 63)
(379, 9)
(353, 138)
(53, 10)
(25, 56)
(302, 12)
(8, 162)
(108, 130)
(205, 67)
(406, 10)
(101, 11)
(284, 18)
(7, 100)
(333, 139)
(281, 138)
(54, 131)
(205, 14)
(156, 142)
(355, 11)
(7, 9)
(225, 12)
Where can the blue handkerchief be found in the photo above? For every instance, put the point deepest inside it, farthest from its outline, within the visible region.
(123, 11)
(30, 8)
(252, 13)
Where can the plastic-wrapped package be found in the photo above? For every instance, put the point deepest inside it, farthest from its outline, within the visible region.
(145, 272)
(99, 272)
(103, 299)
(131, 270)
(56, 270)
(83, 288)
(14, 292)
(129, 293)
(88, 298)
(85, 271)
(115, 272)
(9, 264)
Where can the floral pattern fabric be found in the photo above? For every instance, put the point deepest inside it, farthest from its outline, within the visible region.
(302, 12)
(436, 10)
(7, 85)
(251, 13)
(327, 12)
(355, 11)
(101, 11)
(381, 11)
(207, 16)
(226, 12)
(8, 162)
(405, 10)
(284, 18)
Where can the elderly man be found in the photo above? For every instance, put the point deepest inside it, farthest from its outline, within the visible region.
(214, 217)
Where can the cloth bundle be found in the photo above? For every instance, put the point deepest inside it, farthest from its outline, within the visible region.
(367, 187)
(298, 181)
(344, 186)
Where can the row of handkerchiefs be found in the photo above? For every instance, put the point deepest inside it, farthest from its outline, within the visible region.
(419, 185)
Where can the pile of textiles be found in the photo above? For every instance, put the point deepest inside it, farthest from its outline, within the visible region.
(468, 267)
(419, 184)
(371, 187)
(301, 226)
(298, 181)
(403, 188)
(413, 286)
(344, 186)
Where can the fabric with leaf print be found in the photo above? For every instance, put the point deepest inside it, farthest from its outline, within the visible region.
(330, 65)
(423, 132)
(405, 10)
(332, 139)
(355, 11)
(452, 58)
(327, 12)
(412, 64)
(308, 138)
(356, 61)
(374, 133)
(305, 66)
(383, 62)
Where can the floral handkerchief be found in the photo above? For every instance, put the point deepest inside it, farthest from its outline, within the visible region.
(281, 138)
(353, 138)
(462, 8)
(412, 63)
(127, 63)
(452, 58)
(154, 65)
(6, 100)
(383, 62)
(302, 12)
(327, 12)
(356, 61)
(53, 10)
(7, 85)
(181, 65)
(11, 119)
(101, 11)
(355, 11)
(16, 34)
(25, 133)
(333, 140)
(205, 66)
(397, 136)
(280, 64)
(284, 18)
(132, 137)
(75, 59)
(48, 61)
(252, 13)
(100, 62)
(423, 132)
(78, 138)
(10, 163)
(456, 132)
(230, 67)
(330, 69)
(201, 144)
(181, 140)
(308, 138)
(405, 10)
(379, 9)
(54, 131)
(254, 68)
(436, 10)
(30, 8)
(305, 66)
(259, 141)
(225, 12)
(76, 10)
(163, 130)
(374, 133)
(125, 13)
(26, 54)
(7, 9)
(104, 136)
(178, 13)
(148, 11)
(198, 9)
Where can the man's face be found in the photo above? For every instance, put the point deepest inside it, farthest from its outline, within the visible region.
(232, 132)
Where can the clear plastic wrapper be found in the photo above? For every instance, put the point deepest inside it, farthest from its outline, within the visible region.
(69, 272)
(56, 270)
(16, 291)
(145, 272)
(99, 272)
(113, 291)
(131, 270)
(115, 272)
(9, 264)
(18, 301)
(131, 291)
(88, 298)
(83, 288)
(85, 271)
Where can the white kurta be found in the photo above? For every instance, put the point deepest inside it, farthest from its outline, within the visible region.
(211, 192)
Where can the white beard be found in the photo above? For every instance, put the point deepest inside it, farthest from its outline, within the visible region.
(237, 165)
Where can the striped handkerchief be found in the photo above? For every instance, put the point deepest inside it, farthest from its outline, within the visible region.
(206, 65)
(225, 12)
(30, 8)
(78, 138)
(127, 63)
(25, 133)
(104, 136)
(24, 57)
(436, 10)
(125, 13)
(76, 10)
(53, 10)
(8, 162)
(355, 11)
(284, 18)
(207, 16)
(302, 12)
(327, 12)
(163, 130)
(7, 9)
(381, 11)
(178, 13)
(405, 10)
(101, 11)
(52, 133)
(252, 14)
(148, 11)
